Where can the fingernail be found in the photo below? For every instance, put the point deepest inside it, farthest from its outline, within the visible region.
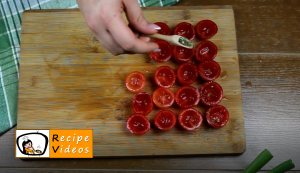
(152, 25)
(156, 50)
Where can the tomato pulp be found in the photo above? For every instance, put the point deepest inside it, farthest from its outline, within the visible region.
(206, 29)
(182, 54)
(217, 116)
(211, 93)
(142, 103)
(163, 97)
(187, 73)
(164, 76)
(209, 70)
(165, 120)
(138, 124)
(185, 29)
(187, 96)
(165, 52)
(206, 51)
(135, 81)
(190, 119)
(164, 28)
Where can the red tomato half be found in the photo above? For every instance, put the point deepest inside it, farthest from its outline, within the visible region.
(206, 51)
(187, 96)
(187, 73)
(182, 54)
(135, 81)
(163, 97)
(186, 30)
(217, 116)
(164, 76)
(165, 29)
(209, 70)
(206, 29)
(142, 103)
(165, 120)
(190, 119)
(211, 93)
(165, 52)
(138, 124)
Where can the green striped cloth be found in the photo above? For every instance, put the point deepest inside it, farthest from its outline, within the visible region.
(10, 36)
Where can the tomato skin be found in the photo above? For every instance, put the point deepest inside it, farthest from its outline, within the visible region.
(217, 116)
(182, 54)
(137, 124)
(165, 52)
(206, 29)
(164, 76)
(190, 119)
(163, 97)
(135, 81)
(185, 29)
(165, 120)
(165, 29)
(206, 51)
(187, 97)
(211, 93)
(187, 73)
(209, 70)
(142, 103)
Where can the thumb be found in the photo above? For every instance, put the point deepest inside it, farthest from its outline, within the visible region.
(136, 18)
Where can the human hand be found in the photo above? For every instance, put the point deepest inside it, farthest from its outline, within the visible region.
(104, 18)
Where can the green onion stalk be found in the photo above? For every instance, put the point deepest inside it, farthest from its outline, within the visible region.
(261, 160)
(283, 167)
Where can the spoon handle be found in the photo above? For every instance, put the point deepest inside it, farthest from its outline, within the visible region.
(160, 36)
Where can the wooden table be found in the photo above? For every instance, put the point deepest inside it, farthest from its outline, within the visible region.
(269, 54)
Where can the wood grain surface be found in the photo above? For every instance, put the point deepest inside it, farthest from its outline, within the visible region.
(280, 135)
(81, 86)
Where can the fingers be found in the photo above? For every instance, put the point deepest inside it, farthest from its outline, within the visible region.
(107, 41)
(105, 37)
(111, 29)
(126, 38)
(143, 38)
(136, 18)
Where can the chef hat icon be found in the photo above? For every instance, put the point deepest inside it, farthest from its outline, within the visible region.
(25, 138)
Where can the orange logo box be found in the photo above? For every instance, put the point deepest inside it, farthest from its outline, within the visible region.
(75, 143)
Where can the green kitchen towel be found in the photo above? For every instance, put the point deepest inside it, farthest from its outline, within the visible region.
(10, 36)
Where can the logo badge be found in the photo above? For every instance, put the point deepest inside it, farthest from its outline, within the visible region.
(32, 143)
(54, 143)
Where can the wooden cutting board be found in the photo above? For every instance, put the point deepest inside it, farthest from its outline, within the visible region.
(69, 81)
